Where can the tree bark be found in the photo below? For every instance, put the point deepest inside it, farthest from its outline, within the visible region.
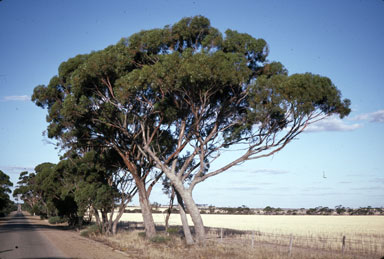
(194, 212)
(184, 221)
(186, 195)
(169, 211)
(105, 222)
(97, 217)
(195, 215)
(117, 219)
(149, 224)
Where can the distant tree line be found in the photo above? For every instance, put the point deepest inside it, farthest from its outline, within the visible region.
(79, 187)
(6, 204)
(268, 210)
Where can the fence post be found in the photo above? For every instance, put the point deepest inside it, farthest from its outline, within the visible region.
(343, 245)
(290, 245)
(253, 239)
(221, 235)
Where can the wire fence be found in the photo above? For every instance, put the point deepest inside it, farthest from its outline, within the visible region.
(362, 244)
(367, 244)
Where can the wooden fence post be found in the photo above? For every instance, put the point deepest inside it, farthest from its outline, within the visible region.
(343, 245)
(253, 239)
(221, 235)
(290, 245)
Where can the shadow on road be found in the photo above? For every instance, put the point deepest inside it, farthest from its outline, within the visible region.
(19, 222)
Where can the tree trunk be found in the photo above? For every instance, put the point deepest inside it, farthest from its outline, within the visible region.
(149, 224)
(195, 215)
(97, 217)
(110, 220)
(169, 211)
(186, 195)
(105, 227)
(184, 221)
(117, 219)
(90, 214)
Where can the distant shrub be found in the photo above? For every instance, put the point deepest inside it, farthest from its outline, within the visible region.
(141, 234)
(91, 230)
(56, 220)
(132, 211)
(173, 230)
(160, 239)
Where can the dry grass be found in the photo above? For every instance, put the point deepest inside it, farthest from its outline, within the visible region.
(172, 247)
(312, 237)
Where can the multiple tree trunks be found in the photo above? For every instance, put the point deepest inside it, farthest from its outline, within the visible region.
(171, 100)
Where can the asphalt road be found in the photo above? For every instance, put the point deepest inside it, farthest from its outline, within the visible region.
(20, 239)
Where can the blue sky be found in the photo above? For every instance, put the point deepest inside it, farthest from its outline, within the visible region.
(339, 39)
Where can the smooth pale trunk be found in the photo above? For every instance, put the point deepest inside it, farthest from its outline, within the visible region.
(117, 219)
(149, 224)
(194, 212)
(184, 221)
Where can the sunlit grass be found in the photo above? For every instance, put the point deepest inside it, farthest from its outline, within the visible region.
(364, 234)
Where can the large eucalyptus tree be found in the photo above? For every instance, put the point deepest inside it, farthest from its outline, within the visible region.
(175, 98)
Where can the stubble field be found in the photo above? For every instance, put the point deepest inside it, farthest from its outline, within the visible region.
(349, 235)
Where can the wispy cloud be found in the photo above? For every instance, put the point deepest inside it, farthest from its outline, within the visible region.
(344, 182)
(332, 123)
(370, 188)
(248, 181)
(378, 180)
(15, 169)
(312, 188)
(377, 116)
(322, 194)
(268, 171)
(259, 171)
(238, 188)
(22, 98)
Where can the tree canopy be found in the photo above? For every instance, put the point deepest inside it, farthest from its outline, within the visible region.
(5, 202)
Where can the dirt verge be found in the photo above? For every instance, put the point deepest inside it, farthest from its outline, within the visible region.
(72, 244)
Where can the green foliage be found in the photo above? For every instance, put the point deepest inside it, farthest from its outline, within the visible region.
(340, 209)
(141, 234)
(6, 205)
(56, 220)
(90, 231)
(184, 72)
(160, 239)
(173, 230)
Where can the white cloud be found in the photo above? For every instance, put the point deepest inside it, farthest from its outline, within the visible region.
(332, 123)
(22, 98)
(245, 188)
(16, 169)
(377, 116)
(269, 171)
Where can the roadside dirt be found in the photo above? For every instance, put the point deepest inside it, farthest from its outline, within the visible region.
(75, 246)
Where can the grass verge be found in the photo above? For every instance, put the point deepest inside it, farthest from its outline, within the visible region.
(167, 246)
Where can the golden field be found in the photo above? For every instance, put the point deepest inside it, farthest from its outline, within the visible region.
(284, 224)
(364, 235)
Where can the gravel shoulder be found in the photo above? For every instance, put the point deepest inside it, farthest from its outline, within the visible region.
(72, 244)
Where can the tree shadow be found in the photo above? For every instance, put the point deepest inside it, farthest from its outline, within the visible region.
(19, 222)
